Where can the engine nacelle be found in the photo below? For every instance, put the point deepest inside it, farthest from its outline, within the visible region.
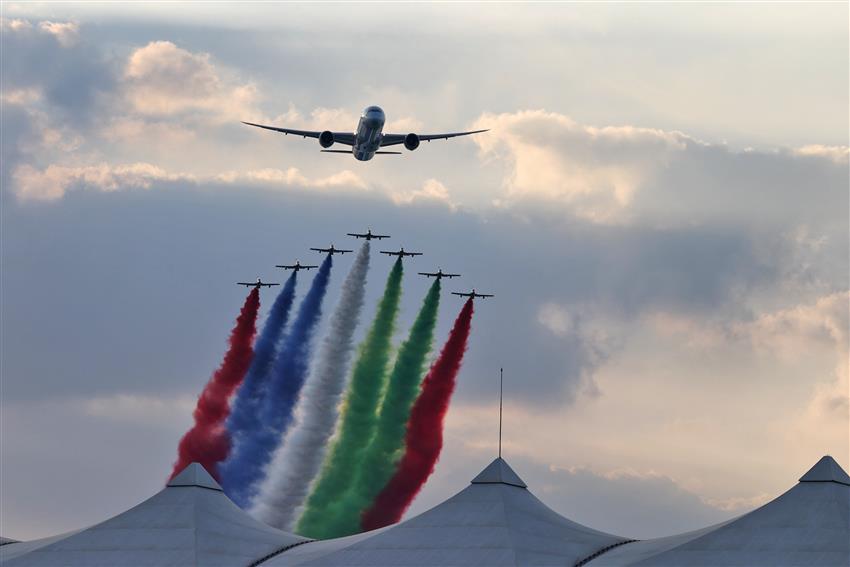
(326, 139)
(411, 141)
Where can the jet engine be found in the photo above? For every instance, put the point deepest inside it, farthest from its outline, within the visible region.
(411, 141)
(326, 139)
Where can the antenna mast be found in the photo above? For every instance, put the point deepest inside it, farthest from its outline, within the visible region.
(501, 379)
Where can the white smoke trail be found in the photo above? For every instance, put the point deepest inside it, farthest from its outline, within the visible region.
(298, 459)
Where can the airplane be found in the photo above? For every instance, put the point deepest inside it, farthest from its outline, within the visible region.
(439, 274)
(369, 138)
(368, 235)
(401, 253)
(258, 284)
(296, 266)
(331, 250)
(472, 294)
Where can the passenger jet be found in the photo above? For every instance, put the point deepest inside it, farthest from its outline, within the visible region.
(369, 138)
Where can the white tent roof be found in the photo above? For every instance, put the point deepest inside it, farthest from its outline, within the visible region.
(494, 521)
(808, 525)
(189, 522)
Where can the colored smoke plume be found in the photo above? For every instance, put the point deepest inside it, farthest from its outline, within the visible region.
(424, 437)
(299, 458)
(244, 416)
(207, 442)
(359, 413)
(387, 444)
(284, 385)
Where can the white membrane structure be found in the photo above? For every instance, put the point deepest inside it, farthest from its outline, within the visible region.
(495, 521)
(492, 522)
(808, 525)
(189, 522)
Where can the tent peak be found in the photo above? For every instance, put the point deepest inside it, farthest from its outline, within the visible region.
(195, 475)
(499, 472)
(826, 470)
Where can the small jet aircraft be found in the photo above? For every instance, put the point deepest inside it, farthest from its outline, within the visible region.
(258, 284)
(401, 253)
(331, 250)
(296, 266)
(369, 138)
(439, 274)
(472, 294)
(368, 235)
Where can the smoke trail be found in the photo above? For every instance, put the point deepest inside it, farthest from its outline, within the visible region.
(298, 459)
(424, 437)
(207, 442)
(359, 414)
(284, 385)
(244, 415)
(386, 446)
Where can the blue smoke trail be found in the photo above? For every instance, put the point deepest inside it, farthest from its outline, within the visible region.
(286, 378)
(244, 415)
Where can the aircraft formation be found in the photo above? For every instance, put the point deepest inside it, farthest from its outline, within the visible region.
(366, 142)
(368, 235)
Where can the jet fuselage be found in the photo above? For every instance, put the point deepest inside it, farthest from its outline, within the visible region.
(368, 135)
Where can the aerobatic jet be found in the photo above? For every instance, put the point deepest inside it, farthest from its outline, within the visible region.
(257, 284)
(368, 235)
(369, 138)
(331, 250)
(296, 266)
(472, 294)
(439, 274)
(401, 253)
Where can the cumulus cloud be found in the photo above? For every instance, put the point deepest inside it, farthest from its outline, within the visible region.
(54, 181)
(432, 191)
(162, 79)
(66, 33)
(619, 174)
(596, 171)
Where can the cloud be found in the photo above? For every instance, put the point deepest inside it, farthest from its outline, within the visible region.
(627, 174)
(66, 33)
(162, 79)
(53, 182)
(594, 171)
(432, 191)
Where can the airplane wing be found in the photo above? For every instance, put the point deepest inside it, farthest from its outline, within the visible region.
(413, 253)
(451, 275)
(460, 294)
(485, 295)
(308, 267)
(380, 236)
(286, 267)
(346, 138)
(321, 249)
(395, 139)
(356, 235)
(252, 284)
(429, 274)
(388, 253)
(269, 284)
(344, 251)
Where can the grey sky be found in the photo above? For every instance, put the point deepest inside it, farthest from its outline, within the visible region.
(661, 208)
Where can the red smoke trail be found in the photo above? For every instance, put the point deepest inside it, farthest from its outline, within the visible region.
(208, 442)
(424, 437)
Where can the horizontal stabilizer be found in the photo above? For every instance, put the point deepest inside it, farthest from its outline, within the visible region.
(336, 151)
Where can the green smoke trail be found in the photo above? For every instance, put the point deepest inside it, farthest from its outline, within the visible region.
(387, 444)
(359, 416)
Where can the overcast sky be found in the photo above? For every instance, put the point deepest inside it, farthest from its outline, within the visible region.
(660, 207)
